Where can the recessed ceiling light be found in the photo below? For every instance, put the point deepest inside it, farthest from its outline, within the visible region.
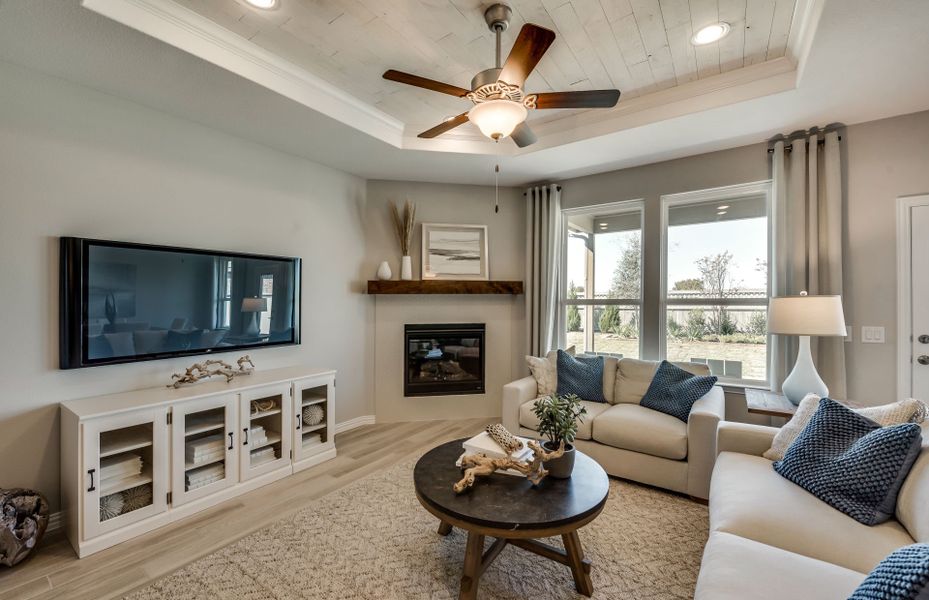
(265, 4)
(709, 34)
(723, 207)
(721, 213)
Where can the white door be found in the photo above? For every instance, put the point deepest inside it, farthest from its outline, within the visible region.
(313, 431)
(204, 448)
(919, 301)
(264, 425)
(125, 470)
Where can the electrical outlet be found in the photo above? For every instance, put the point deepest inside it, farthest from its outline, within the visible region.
(872, 335)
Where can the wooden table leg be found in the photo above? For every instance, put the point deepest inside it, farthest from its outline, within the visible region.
(472, 566)
(572, 545)
(444, 528)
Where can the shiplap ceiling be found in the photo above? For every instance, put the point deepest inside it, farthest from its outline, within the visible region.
(637, 46)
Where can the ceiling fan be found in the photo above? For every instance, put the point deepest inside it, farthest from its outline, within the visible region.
(500, 104)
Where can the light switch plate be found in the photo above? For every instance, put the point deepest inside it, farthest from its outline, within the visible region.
(849, 333)
(872, 335)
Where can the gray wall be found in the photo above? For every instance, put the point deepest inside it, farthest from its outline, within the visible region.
(504, 315)
(78, 162)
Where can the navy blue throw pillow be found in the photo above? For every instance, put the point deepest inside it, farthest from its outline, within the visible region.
(580, 375)
(903, 575)
(673, 390)
(850, 462)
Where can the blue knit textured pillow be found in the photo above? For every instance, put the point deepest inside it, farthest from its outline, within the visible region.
(580, 375)
(673, 390)
(903, 575)
(850, 462)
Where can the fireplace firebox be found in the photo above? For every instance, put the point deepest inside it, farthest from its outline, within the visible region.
(444, 359)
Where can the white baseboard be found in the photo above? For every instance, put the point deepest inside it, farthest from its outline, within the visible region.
(55, 522)
(353, 423)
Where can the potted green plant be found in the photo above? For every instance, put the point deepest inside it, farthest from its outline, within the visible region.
(558, 418)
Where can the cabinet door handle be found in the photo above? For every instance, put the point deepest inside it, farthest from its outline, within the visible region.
(245, 436)
(230, 439)
(298, 422)
(91, 473)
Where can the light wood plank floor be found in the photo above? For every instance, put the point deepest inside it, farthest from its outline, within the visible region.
(56, 572)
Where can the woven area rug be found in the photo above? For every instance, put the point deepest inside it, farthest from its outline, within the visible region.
(372, 540)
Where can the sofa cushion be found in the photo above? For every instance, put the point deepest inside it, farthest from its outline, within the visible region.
(749, 499)
(736, 568)
(904, 575)
(851, 462)
(528, 419)
(633, 376)
(914, 495)
(640, 429)
(673, 390)
(545, 371)
(581, 376)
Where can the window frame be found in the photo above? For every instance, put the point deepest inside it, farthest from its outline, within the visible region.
(718, 194)
(609, 208)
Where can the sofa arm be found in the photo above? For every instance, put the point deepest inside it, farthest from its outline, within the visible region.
(744, 438)
(705, 415)
(515, 394)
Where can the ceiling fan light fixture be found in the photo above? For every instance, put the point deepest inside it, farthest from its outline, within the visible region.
(263, 4)
(710, 33)
(497, 118)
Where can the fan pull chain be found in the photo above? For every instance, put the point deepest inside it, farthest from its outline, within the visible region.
(496, 188)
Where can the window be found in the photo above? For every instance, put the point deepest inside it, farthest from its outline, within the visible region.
(603, 264)
(267, 292)
(224, 292)
(715, 286)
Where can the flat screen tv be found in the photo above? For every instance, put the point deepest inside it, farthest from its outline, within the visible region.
(123, 302)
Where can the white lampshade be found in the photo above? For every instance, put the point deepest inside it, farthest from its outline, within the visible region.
(806, 315)
(497, 118)
(254, 304)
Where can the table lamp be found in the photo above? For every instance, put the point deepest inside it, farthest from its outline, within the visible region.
(253, 306)
(805, 316)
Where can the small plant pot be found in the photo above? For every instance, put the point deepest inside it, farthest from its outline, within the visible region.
(559, 468)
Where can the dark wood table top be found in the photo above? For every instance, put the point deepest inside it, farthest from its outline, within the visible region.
(502, 501)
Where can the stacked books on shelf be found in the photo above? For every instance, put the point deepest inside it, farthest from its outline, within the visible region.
(312, 439)
(197, 478)
(262, 456)
(120, 467)
(482, 443)
(257, 435)
(205, 450)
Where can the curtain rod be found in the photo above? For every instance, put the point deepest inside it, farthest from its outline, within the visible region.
(557, 187)
(790, 146)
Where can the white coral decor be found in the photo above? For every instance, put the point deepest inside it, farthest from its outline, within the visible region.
(313, 415)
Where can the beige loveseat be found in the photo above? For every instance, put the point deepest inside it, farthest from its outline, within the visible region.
(769, 538)
(632, 441)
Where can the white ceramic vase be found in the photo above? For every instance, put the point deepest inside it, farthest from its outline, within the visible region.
(383, 271)
(406, 268)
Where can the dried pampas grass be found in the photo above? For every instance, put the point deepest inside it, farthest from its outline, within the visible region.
(404, 223)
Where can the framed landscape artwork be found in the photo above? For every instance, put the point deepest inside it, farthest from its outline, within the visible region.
(454, 251)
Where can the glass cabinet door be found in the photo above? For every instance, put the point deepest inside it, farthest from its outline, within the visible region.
(125, 470)
(204, 448)
(313, 425)
(264, 425)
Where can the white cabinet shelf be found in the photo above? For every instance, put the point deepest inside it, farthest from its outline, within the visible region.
(154, 435)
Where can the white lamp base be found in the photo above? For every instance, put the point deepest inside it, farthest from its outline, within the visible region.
(804, 379)
(252, 328)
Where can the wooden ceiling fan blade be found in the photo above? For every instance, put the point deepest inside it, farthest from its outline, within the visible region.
(580, 99)
(523, 135)
(445, 126)
(530, 45)
(422, 82)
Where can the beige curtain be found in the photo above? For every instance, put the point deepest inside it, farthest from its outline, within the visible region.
(808, 243)
(543, 266)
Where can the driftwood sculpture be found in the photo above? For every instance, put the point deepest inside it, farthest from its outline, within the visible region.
(23, 519)
(479, 465)
(211, 368)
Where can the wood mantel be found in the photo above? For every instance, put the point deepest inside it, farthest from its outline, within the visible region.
(445, 286)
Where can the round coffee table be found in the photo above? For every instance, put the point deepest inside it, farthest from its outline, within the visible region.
(508, 508)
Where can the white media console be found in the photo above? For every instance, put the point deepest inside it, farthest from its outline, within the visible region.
(134, 461)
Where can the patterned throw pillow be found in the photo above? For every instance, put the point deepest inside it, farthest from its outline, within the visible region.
(903, 575)
(673, 390)
(850, 462)
(904, 411)
(545, 371)
(582, 375)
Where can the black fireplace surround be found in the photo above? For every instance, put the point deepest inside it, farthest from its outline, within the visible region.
(444, 359)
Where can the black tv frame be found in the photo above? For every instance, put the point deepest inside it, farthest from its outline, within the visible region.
(73, 300)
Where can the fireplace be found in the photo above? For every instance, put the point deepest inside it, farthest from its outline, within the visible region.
(444, 359)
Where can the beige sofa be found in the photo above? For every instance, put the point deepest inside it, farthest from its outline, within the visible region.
(770, 538)
(632, 441)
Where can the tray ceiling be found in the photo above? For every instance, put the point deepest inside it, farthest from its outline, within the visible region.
(637, 46)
